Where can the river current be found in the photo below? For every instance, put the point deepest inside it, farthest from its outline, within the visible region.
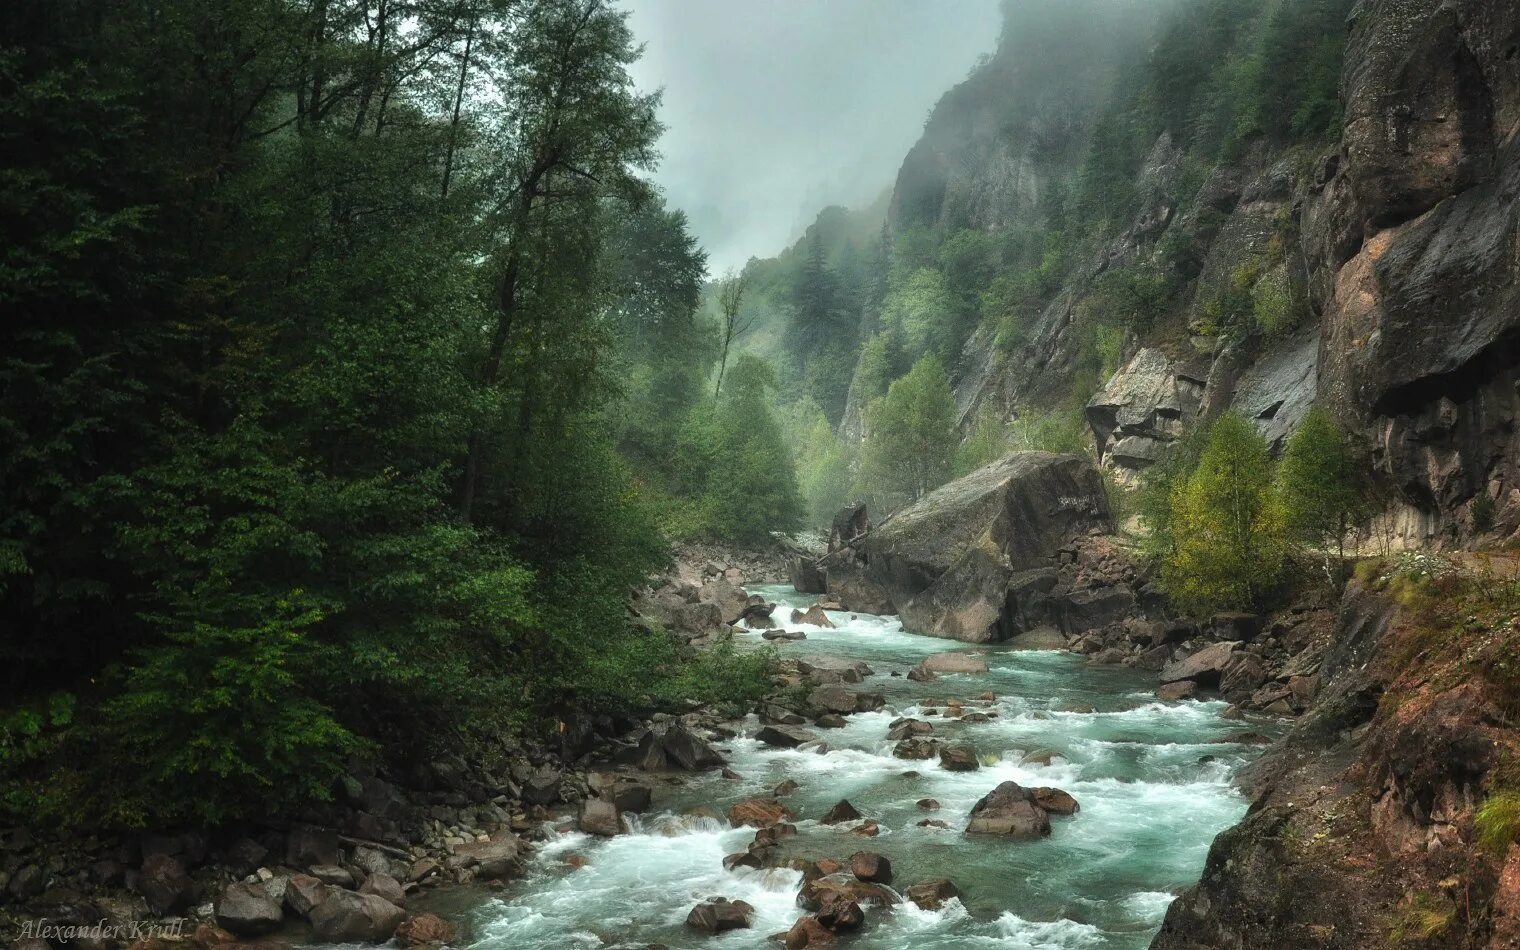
(1152, 778)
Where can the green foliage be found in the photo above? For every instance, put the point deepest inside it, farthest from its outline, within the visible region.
(911, 437)
(1228, 544)
(923, 306)
(990, 440)
(738, 462)
(1316, 486)
(313, 420)
(1497, 822)
(823, 461)
(1483, 513)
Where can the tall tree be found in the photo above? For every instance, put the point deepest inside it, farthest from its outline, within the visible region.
(910, 440)
(733, 323)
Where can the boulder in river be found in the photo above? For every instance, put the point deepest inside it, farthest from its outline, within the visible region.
(719, 915)
(667, 744)
(915, 747)
(425, 930)
(841, 812)
(871, 867)
(383, 885)
(785, 787)
(1204, 667)
(1008, 810)
(958, 758)
(932, 895)
(837, 912)
(495, 858)
(1054, 800)
(808, 932)
(953, 662)
(346, 917)
(950, 560)
(830, 721)
(599, 817)
(759, 813)
(784, 737)
(906, 728)
(790, 636)
(813, 616)
(833, 698)
(303, 892)
(1174, 692)
(247, 910)
(815, 892)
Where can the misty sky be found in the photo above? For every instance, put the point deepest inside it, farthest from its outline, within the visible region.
(776, 108)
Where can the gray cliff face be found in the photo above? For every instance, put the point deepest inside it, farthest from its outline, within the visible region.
(1403, 266)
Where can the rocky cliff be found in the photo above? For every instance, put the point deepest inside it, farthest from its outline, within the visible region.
(1394, 249)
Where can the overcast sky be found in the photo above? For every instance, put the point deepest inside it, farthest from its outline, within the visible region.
(776, 108)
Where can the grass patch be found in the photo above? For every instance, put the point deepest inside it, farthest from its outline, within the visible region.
(1426, 917)
(1498, 822)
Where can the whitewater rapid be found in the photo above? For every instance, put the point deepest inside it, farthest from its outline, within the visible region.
(1153, 780)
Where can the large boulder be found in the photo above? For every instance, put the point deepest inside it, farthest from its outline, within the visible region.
(1009, 810)
(347, 917)
(871, 867)
(784, 737)
(719, 915)
(953, 662)
(247, 910)
(671, 745)
(760, 813)
(599, 816)
(948, 560)
(164, 884)
(496, 858)
(425, 930)
(383, 885)
(932, 895)
(303, 892)
(806, 575)
(1206, 667)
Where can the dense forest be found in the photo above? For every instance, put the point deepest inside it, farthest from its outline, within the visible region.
(359, 372)
(349, 353)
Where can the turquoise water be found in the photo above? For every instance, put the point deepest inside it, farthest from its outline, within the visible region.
(1153, 781)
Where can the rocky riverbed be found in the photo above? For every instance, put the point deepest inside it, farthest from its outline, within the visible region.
(865, 814)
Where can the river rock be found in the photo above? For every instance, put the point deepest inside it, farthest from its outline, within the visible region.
(953, 662)
(425, 929)
(347, 917)
(814, 892)
(837, 912)
(784, 737)
(932, 895)
(790, 636)
(1204, 667)
(494, 858)
(303, 892)
(1054, 800)
(759, 813)
(718, 915)
(1180, 690)
(332, 875)
(907, 728)
(808, 932)
(830, 721)
(1007, 810)
(829, 669)
(247, 910)
(383, 885)
(684, 749)
(915, 748)
(833, 698)
(814, 617)
(841, 812)
(958, 758)
(600, 817)
(871, 867)
(164, 884)
(785, 787)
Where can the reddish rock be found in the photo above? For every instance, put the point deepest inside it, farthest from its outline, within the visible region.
(719, 915)
(425, 929)
(932, 895)
(842, 811)
(871, 867)
(760, 813)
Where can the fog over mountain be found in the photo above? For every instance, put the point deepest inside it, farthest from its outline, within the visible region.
(775, 109)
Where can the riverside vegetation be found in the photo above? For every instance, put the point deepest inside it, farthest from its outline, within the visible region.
(375, 438)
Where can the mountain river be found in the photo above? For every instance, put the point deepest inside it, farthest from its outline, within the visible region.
(1152, 778)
